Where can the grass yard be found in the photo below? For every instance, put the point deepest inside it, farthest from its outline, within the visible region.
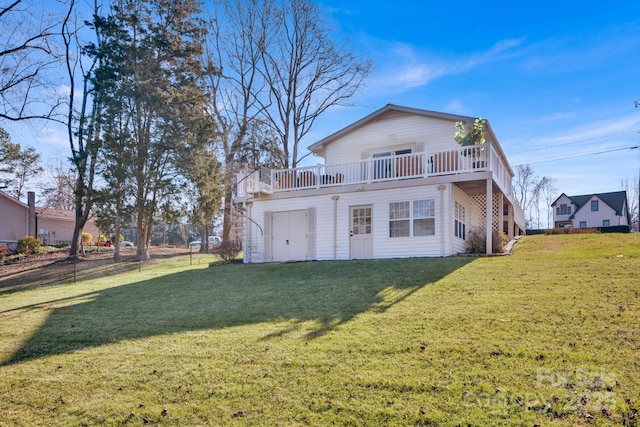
(547, 336)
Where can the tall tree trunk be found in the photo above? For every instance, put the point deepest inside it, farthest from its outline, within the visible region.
(116, 238)
(81, 216)
(228, 194)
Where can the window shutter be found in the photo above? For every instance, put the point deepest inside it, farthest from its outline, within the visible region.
(268, 237)
(311, 233)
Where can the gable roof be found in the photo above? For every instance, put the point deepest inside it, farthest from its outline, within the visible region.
(559, 197)
(60, 214)
(616, 200)
(12, 199)
(55, 213)
(389, 110)
(320, 145)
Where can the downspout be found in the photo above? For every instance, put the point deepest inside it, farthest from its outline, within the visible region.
(441, 188)
(335, 225)
(247, 233)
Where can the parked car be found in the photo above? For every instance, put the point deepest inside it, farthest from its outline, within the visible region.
(127, 244)
(214, 241)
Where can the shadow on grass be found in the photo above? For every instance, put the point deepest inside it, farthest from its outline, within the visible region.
(328, 293)
(41, 272)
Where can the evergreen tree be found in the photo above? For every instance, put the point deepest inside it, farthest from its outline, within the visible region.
(151, 76)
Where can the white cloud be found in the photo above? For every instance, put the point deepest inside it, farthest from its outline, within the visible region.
(611, 127)
(404, 67)
(455, 107)
(54, 139)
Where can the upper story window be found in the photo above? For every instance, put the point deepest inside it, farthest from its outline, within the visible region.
(594, 206)
(384, 166)
(563, 210)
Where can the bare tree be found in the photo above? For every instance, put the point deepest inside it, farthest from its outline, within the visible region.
(82, 117)
(239, 32)
(29, 61)
(525, 181)
(57, 189)
(274, 63)
(529, 190)
(307, 72)
(548, 192)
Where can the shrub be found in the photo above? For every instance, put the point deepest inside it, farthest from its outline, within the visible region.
(571, 230)
(28, 245)
(4, 252)
(477, 241)
(86, 239)
(499, 240)
(550, 231)
(101, 240)
(113, 238)
(229, 250)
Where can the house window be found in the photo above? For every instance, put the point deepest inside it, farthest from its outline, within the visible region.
(424, 217)
(583, 224)
(400, 219)
(594, 206)
(563, 210)
(383, 165)
(412, 218)
(606, 223)
(460, 225)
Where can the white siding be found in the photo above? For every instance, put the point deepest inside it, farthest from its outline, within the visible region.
(595, 219)
(383, 245)
(391, 131)
(562, 200)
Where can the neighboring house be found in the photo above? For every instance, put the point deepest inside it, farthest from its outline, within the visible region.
(591, 210)
(51, 226)
(55, 226)
(14, 220)
(393, 184)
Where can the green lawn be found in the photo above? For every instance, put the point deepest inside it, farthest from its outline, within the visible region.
(547, 336)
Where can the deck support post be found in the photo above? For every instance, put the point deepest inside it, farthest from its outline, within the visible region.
(489, 224)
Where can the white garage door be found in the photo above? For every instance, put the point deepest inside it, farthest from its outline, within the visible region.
(290, 235)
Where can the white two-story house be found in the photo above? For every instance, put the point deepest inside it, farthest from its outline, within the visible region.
(591, 210)
(393, 184)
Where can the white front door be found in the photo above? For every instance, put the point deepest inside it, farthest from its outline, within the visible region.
(361, 238)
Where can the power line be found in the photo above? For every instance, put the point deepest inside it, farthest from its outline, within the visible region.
(579, 155)
(544, 147)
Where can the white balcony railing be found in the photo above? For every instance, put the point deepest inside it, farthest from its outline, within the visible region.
(391, 168)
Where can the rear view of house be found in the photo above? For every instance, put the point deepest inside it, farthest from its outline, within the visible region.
(393, 184)
(591, 210)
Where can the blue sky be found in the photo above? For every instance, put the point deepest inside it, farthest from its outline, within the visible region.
(556, 80)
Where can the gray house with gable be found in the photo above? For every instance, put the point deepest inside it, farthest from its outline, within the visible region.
(591, 210)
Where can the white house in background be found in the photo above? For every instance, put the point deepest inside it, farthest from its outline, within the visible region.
(393, 184)
(591, 210)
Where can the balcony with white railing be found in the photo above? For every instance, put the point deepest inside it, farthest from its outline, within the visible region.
(477, 158)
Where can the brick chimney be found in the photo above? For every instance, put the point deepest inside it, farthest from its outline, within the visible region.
(31, 201)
